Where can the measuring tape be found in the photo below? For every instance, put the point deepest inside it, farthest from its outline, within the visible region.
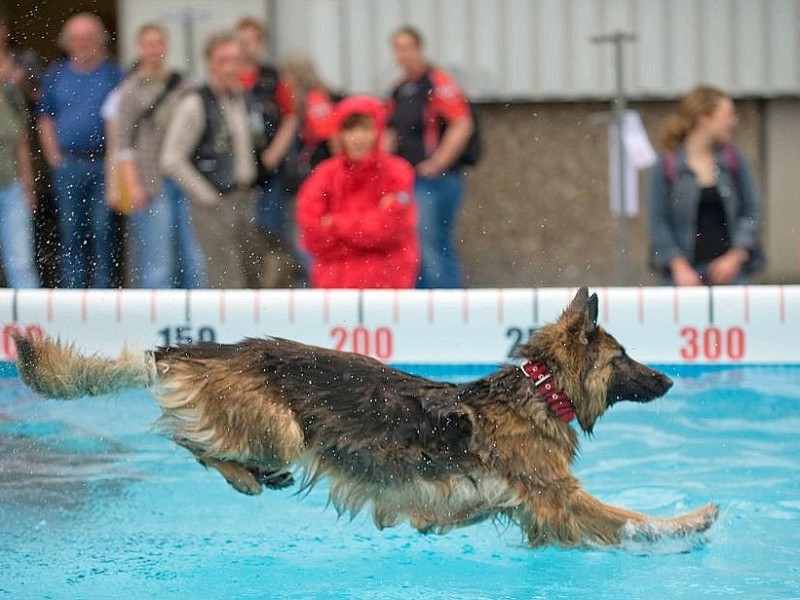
(666, 325)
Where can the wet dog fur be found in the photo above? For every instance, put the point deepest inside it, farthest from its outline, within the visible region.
(438, 455)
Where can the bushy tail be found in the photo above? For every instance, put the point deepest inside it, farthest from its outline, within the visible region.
(60, 371)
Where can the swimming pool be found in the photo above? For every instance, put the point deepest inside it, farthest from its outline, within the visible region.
(95, 506)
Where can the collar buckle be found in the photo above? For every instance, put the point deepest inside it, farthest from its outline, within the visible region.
(542, 378)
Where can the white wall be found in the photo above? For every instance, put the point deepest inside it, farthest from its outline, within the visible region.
(521, 49)
(202, 16)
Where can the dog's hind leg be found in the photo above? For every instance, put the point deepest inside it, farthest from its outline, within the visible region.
(579, 519)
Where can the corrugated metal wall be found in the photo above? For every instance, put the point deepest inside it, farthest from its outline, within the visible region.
(541, 49)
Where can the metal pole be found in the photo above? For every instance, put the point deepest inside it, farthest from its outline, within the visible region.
(619, 119)
(188, 42)
(187, 18)
(620, 104)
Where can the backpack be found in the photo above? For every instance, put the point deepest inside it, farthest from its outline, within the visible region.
(729, 157)
(731, 161)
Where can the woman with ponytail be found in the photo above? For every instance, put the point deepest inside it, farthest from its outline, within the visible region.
(703, 205)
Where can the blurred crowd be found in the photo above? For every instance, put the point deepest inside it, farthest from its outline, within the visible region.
(262, 176)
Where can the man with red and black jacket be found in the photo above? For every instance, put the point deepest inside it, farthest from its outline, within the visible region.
(355, 212)
(431, 124)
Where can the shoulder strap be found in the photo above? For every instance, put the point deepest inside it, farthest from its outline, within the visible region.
(731, 160)
(210, 108)
(172, 82)
(671, 167)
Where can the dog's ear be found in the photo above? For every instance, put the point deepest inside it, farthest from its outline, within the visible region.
(591, 314)
(581, 314)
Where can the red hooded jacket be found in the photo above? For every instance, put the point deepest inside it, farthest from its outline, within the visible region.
(363, 244)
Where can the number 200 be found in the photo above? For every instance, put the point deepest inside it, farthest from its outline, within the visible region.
(712, 343)
(378, 343)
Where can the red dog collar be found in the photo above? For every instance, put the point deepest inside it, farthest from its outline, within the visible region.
(556, 399)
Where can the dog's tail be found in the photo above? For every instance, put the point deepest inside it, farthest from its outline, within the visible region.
(59, 371)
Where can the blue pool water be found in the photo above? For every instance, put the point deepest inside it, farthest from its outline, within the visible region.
(93, 505)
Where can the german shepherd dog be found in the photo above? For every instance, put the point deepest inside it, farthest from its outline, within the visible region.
(437, 455)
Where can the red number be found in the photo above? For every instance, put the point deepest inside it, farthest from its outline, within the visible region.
(384, 344)
(713, 344)
(361, 340)
(340, 337)
(9, 348)
(735, 343)
(690, 350)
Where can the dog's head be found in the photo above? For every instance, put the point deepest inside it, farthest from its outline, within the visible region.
(589, 364)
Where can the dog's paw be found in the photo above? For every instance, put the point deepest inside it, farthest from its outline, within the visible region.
(237, 475)
(703, 518)
(275, 480)
(245, 483)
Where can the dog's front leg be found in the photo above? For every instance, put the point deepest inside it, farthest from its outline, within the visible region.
(578, 519)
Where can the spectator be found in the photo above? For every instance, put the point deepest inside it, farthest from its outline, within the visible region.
(276, 136)
(71, 132)
(208, 151)
(45, 222)
(703, 205)
(432, 124)
(17, 198)
(356, 212)
(164, 249)
(313, 104)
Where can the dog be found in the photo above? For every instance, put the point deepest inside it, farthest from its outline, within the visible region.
(437, 455)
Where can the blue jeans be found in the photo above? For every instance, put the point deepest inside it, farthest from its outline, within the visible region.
(165, 251)
(16, 238)
(271, 208)
(438, 201)
(88, 252)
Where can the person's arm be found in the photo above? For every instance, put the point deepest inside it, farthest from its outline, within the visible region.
(280, 144)
(376, 228)
(448, 102)
(49, 141)
(126, 146)
(666, 253)
(454, 141)
(183, 135)
(46, 125)
(313, 216)
(25, 167)
(110, 163)
(389, 141)
(745, 230)
(287, 130)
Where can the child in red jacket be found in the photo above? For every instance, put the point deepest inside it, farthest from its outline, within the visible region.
(356, 211)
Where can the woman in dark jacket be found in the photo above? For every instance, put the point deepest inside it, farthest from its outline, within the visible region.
(703, 205)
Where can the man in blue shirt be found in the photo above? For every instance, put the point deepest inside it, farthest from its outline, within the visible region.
(73, 142)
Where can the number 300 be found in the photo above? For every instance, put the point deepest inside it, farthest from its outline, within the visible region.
(712, 343)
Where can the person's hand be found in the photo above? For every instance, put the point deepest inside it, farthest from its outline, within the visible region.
(270, 160)
(30, 197)
(726, 268)
(684, 274)
(138, 197)
(430, 168)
